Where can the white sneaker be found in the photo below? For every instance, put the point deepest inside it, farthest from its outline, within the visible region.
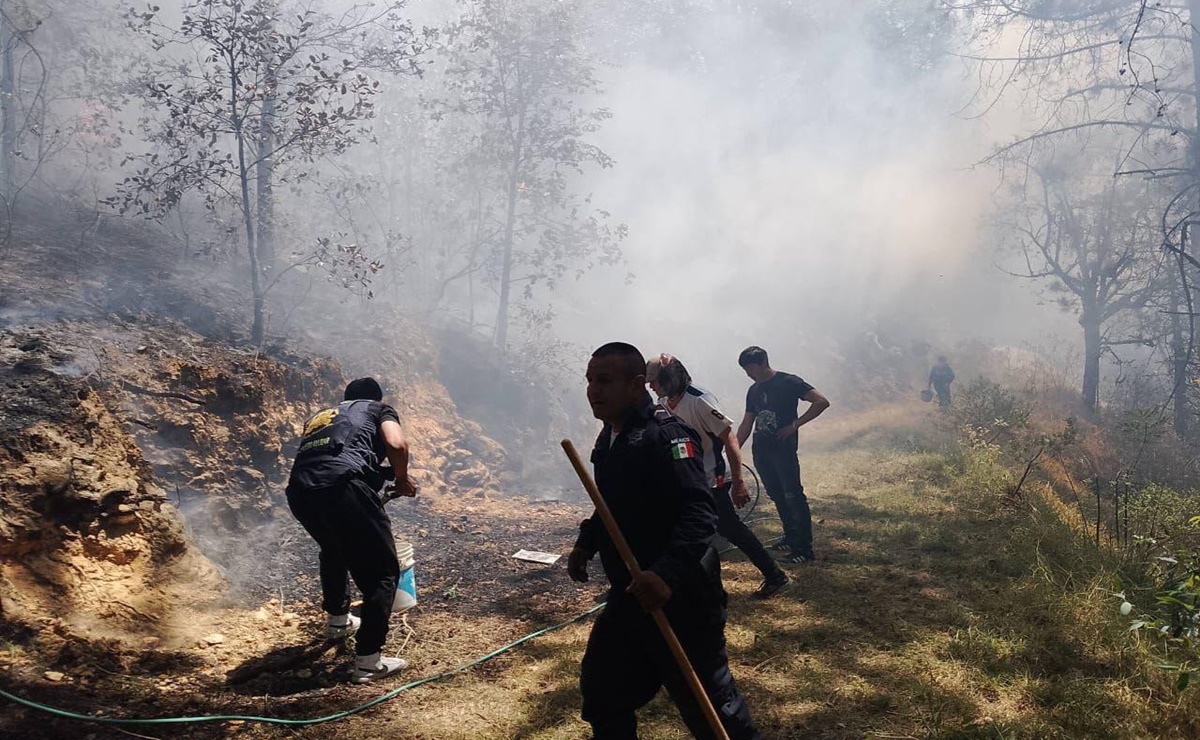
(341, 627)
(369, 668)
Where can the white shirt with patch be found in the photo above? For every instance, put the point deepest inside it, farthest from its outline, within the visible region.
(698, 409)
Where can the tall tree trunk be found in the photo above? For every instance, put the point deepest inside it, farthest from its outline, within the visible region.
(265, 175)
(1092, 346)
(258, 328)
(506, 270)
(409, 226)
(1179, 370)
(1179, 352)
(8, 107)
(1185, 346)
(264, 169)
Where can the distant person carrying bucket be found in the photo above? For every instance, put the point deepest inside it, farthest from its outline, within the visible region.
(940, 378)
(334, 491)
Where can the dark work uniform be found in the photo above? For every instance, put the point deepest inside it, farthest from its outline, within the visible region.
(333, 492)
(773, 404)
(652, 479)
(941, 376)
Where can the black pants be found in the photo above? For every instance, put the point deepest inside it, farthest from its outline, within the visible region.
(355, 535)
(780, 473)
(627, 661)
(731, 527)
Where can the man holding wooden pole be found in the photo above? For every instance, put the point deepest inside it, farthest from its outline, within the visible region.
(664, 624)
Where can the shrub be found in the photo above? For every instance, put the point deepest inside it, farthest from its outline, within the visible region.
(990, 410)
(1174, 620)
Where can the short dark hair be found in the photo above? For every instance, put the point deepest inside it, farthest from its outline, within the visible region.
(753, 356)
(363, 389)
(632, 359)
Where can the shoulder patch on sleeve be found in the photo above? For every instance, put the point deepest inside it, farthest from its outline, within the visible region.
(683, 448)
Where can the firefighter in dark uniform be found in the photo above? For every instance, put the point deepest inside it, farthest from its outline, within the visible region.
(648, 468)
(335, 492)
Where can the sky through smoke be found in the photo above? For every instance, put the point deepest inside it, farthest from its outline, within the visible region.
(792, 192)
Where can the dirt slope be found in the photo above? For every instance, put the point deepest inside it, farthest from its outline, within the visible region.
(146, 550)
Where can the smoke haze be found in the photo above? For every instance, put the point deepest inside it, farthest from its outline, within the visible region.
(794, 195)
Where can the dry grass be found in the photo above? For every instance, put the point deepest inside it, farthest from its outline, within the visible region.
(935, 612)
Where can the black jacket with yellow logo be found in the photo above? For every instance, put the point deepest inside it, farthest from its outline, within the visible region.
(342, 441)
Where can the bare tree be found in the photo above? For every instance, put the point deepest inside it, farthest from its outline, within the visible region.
(434, 214)
(8, 100)
(1125, 68)
(241, 90)
(1095, 242)
(518, 69)
(58, 86)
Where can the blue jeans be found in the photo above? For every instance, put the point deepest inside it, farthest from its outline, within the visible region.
(780, 473)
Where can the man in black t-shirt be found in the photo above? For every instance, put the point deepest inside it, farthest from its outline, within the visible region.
(771, 406)
(334, 491)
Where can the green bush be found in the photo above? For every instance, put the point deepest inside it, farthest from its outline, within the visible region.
(990, 410)
(1174, 619)
(1157, 512)
(982, 470)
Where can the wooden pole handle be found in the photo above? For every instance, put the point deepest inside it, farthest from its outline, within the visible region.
(614, 533)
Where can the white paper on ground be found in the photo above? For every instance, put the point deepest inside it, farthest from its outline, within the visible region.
(534, 556)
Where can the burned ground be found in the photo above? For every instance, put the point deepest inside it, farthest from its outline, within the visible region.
(147, 549)
(149, 566)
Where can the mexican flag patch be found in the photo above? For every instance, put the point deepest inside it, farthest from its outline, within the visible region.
(682, 449)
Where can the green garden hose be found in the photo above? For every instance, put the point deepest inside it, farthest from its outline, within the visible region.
(55, 711)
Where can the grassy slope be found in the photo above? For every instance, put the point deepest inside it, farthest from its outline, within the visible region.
(935, 613)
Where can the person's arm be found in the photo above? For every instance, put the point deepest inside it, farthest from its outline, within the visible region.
(930, 383)
(733, 451)
(817, 405)
(689, 539)
(697, 521)
(587, 543)
(720, 426)
(585, 547)
(949, 375)
(396, 446)
(744, 429)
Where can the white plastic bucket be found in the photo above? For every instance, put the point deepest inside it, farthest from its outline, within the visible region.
(406, 584)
